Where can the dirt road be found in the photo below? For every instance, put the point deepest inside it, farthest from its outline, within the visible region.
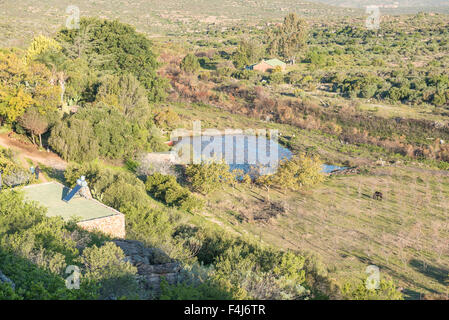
(29, 151)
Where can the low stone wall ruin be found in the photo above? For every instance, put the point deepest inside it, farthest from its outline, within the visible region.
(113, 225)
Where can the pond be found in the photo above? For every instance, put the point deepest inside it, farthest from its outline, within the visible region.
(244, 152)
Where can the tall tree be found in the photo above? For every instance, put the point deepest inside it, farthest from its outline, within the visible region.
(127, 51)
(39, 45)
(55, 60)
(288, 39)
(126, 94)
(35, 123)
(25, 85)
(248, 52)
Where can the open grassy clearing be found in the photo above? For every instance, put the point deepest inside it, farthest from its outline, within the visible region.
(406, 235)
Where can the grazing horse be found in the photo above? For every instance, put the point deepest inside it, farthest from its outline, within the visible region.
(378, 196)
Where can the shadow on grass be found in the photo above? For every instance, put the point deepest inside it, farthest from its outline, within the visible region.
(439, 274)
(409, 294)
(65, 192)
(54, 174)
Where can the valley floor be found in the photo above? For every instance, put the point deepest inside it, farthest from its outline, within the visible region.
(405, 235)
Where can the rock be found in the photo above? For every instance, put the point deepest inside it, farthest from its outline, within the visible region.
(152, 264)
(133, 248)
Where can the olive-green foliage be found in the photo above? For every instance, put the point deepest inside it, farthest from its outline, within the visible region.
(166, 189)
(318, 59)
(100, 130)
(190, 63)
(207, 177)
(34, 283)
(126, 94)
(35, 249)
(363, 86)
(207, 290)
(276, 78)
(300, 171)
(248, 270)
(8, 293)
(74, 140)
(167, 118)
(154, 227)
(82, 81)
(247, 53)
(394, 86)
(114, 188)
(117, 47)
(288, 39)
(387, 291)
(117, 137)
(106, 266)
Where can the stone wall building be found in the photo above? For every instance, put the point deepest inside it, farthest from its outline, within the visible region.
(268, 65)
(91, 214)
(113, 225)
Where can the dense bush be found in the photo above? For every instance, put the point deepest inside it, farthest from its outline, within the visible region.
(106, 266)
(166, 189)
(190, 63)
(115, 46)
(99, 130)
(387, 291)
(300, 171)
(207, 177)
(74, 140)
(126, 94)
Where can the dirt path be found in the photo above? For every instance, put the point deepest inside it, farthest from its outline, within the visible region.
(31, 152)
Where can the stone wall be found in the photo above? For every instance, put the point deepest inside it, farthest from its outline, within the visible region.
(113, 225)
(152, 264)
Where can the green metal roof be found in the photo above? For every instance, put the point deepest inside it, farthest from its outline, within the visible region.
(275, 62)
(50, 196)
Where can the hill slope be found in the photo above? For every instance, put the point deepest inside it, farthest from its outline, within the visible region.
(169, 17)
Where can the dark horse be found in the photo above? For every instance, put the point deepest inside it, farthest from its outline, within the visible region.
(378, 195)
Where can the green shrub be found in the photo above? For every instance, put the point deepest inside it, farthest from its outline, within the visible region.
(74, 140)
(106, 266)
(387, 291)
(166, 189)
(208, 176)
(190, 63)
(207, 290)
(300, 171)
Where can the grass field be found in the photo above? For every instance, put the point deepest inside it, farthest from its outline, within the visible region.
(18, 24)
(405, 235)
